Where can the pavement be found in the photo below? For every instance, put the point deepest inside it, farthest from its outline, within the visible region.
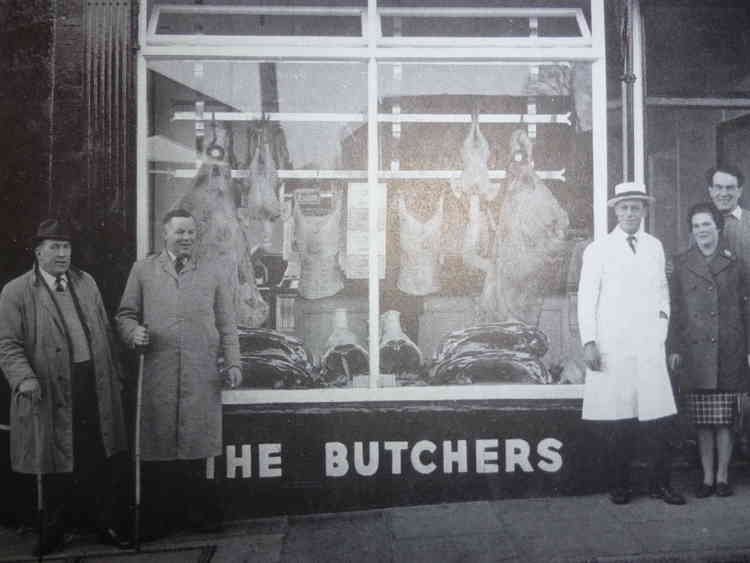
(538, 530)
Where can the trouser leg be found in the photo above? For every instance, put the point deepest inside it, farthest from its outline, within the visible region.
(620, 451)
(656, 436)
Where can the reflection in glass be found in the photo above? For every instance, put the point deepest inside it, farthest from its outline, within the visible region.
(263, 155)
(490, 190)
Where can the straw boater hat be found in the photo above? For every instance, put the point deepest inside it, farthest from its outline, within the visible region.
(629, 190)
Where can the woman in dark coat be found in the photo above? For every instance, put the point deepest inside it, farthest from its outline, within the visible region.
(708, 341)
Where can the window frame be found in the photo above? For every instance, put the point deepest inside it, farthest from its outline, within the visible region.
(372, 49)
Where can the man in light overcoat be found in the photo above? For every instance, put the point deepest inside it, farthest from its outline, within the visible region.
(182, 311)
(58, 353)
(623, 312)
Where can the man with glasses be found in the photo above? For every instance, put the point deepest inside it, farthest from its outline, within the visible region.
(725, 188)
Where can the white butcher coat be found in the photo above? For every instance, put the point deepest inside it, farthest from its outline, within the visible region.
(620, 295)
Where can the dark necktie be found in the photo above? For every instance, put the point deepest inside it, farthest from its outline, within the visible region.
(179, 263)
(631, 242)
(59, 286)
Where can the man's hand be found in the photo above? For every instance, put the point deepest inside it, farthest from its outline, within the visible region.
(234, 377)
(30, 388)
(748, 359)
(675, 361)
(591, 356)
(141, 336)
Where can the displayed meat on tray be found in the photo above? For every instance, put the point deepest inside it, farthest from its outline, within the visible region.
(503, 352)
(398, 353)
(344, 355)
(272, 360)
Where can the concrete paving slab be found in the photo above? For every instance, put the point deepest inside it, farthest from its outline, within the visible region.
(553, 540)
(478, 548)
(250, 549)
(442, 520)
(361, 537)
(688, 535)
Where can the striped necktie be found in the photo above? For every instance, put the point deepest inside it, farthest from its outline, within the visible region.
(59, 285)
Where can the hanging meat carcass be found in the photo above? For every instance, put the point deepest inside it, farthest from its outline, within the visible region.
(398, 353)
(530, 242)
(475, 152)
(419, 267)
(344, 355)
(504, 352)
(221, 238)
(531, 235)
(272, 360)
(318, 241)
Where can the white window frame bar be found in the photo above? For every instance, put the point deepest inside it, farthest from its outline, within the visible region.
(373, 54)
(639, 137)
(369, 32)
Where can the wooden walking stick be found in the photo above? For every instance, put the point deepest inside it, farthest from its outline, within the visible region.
(137, 451)
(39, 479)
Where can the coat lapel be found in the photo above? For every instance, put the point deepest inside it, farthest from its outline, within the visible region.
(723, 259)
(696, 263)
(167, 265)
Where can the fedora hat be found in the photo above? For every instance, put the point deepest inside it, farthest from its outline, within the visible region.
(53, 229)
(629, 190)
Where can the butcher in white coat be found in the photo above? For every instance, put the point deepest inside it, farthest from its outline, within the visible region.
(623, 315)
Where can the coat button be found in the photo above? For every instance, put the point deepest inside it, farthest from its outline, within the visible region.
(713, 340)
(710, 288)
(713, 313)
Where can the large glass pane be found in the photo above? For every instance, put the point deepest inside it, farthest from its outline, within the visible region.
(489, 179)
(270, 158)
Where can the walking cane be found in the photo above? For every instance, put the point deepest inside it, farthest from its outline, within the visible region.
(137, 451)
(39, 483)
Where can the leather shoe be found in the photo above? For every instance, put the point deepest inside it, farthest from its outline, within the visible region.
(724, 490)
(667, 494)
(109, 536)
(703, 490)
(619, 496)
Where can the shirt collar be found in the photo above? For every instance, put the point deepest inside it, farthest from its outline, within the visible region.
(50, 279)
(625, 235)
(737, 213)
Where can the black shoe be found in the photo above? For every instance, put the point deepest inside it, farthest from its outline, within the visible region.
(703, 490)
(53, 540)
(667, 494)
(724, 490)
(109, 536)
(619, 495)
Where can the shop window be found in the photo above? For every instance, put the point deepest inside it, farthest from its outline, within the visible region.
(415, 236)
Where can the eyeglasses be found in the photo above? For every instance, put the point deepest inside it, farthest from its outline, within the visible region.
(728, 188)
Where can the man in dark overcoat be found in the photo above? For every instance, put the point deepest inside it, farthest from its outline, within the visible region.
(57, 351)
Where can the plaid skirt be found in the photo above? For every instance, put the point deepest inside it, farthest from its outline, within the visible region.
(712, 408)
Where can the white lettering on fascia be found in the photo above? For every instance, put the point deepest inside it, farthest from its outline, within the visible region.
(396, 449)
(336, 461)
(369, 467)
(269, 460)
(458, 457)
(487, 456)
(244, 461)
(517, 454)
(419, 448)
(549, 450)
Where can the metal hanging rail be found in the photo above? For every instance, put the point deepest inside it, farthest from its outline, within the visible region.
(187, 173)
(562, 118)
